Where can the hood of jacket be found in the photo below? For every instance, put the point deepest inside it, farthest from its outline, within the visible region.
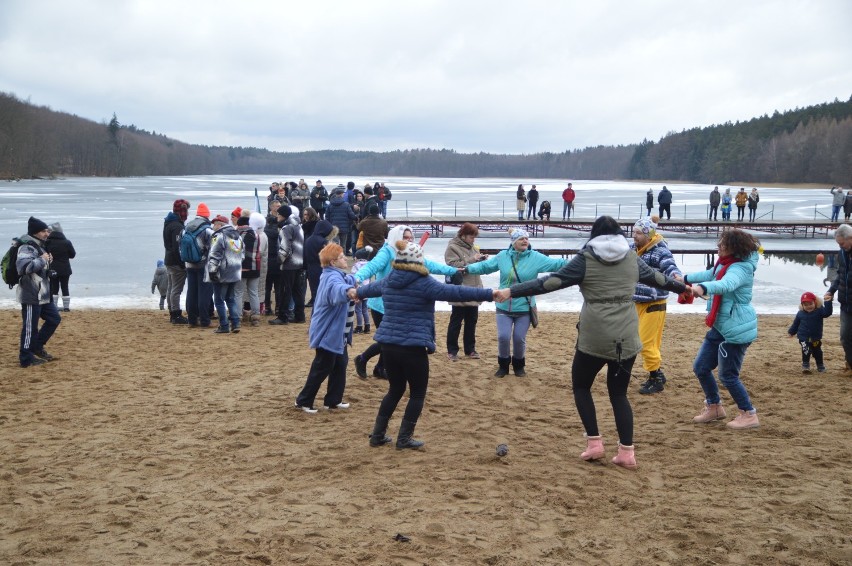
(323, 228)
(402, 278)
(610, 248)
(396, 234)
(172, 217)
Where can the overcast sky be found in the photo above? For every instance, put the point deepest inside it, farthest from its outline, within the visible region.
(495, 76)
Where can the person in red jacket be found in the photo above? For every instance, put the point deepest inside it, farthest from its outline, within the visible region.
(567, 201)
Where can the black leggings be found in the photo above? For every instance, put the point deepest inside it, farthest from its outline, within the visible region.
(583, 372)
(60, 281)
(405, 365)
(375, 348)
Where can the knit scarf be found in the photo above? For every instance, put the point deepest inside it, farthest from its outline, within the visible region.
(725, 262)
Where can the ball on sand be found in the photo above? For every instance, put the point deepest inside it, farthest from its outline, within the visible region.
(502, 450)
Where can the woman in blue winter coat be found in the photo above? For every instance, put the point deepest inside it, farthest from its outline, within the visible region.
(516, 264)
(380, 267)
(330, 332)
(733, 327)
(407, 335)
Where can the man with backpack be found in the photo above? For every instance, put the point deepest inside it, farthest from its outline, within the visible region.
(383, 194)
(194, 249)
(32, 266)
(224, 269)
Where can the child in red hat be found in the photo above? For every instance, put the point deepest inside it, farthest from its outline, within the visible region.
(807, 327)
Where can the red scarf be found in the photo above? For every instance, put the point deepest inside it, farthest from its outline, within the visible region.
(725, 262)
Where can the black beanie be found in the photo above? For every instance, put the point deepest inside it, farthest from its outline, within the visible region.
(373, 209)
(34, 226)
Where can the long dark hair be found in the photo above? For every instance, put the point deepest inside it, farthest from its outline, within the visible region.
(605, 226)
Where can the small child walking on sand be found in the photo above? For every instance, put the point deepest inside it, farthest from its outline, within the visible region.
(161, 283)
(807, 327)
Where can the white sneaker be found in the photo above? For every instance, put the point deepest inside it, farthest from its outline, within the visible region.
(310, 410)
(338, 406)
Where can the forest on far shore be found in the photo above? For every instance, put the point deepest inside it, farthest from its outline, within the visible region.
(805, 145)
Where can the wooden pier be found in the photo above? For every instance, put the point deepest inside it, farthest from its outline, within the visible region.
(437, 226)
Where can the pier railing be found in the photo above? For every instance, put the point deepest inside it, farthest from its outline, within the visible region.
(816, 211)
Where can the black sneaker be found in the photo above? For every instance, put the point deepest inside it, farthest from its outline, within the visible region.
(278, 321)
(44, 355)
(360, 367)
(653, 385)
(35, 362)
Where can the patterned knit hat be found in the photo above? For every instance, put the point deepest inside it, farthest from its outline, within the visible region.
(181, 208)
(517, 234)
(646, 226)
(409, 252)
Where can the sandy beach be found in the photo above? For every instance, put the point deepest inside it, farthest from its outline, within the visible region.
(146, 443)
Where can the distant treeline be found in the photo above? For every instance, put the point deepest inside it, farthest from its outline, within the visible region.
(812, 144)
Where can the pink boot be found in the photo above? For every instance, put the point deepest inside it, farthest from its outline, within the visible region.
(744, 420)
(594, 448)
(625, 457)
(712, 412)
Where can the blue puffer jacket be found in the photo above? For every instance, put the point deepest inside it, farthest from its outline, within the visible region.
(340, 214)
(736, 320)
(657, 256)
(809, 325)
(529, 264)
(409, 302)
(380, 267)
(331, 306)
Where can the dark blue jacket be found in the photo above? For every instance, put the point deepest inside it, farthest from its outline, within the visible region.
(841, 284)
(808, 325)
(340, 214)
(409, 300)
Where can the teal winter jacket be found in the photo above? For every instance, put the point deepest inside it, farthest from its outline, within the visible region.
(737, 319)
(529, 265)
(380, 266)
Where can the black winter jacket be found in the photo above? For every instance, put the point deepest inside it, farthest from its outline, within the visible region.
(62, 251)
(172, 228)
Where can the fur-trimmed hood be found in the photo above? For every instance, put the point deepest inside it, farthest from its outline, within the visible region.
(418, 268)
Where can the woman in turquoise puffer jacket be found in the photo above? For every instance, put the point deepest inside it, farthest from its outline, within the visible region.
(733, 326)
(518, 263)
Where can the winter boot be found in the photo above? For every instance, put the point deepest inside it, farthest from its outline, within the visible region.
(625, 457)
(745, 420)
(594, 448)
(66, 303)
(56, 300)
(655, 384)
(358, 330)
(518, 366)
(503, 370)
(403, 439)
(378, 437)
(177, 318)
(366, 329)
(246, 315)
(255, 320)
(712, 412)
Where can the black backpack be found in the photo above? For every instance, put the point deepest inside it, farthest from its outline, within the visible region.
(9, 269)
